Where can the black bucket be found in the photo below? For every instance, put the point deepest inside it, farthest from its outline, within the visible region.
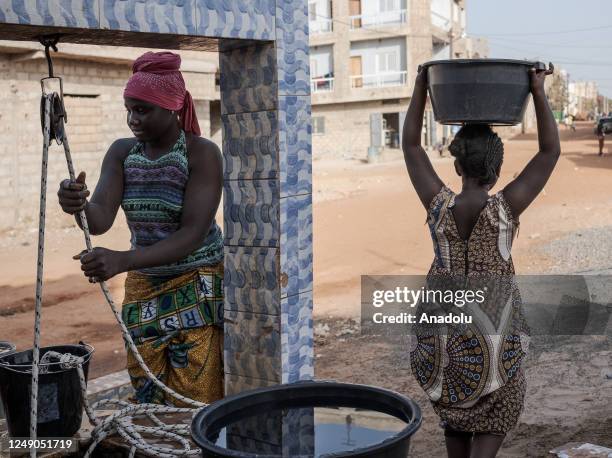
(60, 400)
(272, 437)
(6, 348)
(484, 91)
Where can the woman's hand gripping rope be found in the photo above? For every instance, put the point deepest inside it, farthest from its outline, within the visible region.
(100, 264)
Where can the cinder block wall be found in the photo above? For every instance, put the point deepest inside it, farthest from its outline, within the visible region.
(96, 117)
(347, 127)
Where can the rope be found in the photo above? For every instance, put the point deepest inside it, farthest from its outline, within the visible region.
(39, 273)
(126, 335)
(120, 422)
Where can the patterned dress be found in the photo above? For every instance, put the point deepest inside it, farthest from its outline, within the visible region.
(173, 312)
(472, 372)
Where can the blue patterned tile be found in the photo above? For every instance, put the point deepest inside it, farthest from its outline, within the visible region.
(157, 16)
(60, 13)
(292, 47)
(251, 280)
(247, 19)
(250, 146)
(259, 434)
(296, 244)
(297, 338)
(298, 432)
(252, 345)
(251, 213)
(295, 146)
(248, 79)
(235, 384)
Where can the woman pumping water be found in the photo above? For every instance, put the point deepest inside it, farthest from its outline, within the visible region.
(168, 181)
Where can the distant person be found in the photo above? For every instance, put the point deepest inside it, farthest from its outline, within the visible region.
(474, 379)
(569, 122)
(601, 135)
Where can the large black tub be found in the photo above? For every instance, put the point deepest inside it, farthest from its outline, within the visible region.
(6, 348)
(487, 91)
(314, 419)
(60, 400)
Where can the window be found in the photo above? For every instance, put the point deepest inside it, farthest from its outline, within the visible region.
(318, 125)
(313, 68)
(312, 11)
(386, 62)
(388, 5)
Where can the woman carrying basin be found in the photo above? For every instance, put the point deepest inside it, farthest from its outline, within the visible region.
(473, 378)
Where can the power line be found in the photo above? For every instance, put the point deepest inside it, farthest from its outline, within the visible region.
(559, 59)
(552, 45)
(559, 32)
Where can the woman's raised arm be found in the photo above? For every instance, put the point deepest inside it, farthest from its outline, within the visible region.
(422, 174)
(520, 192)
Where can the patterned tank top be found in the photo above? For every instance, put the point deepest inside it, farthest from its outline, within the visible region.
(153, 193)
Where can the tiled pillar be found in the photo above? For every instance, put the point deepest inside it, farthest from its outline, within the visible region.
(265, 104)
(265, 101)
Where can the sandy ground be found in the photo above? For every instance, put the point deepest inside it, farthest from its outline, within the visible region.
(367, 220)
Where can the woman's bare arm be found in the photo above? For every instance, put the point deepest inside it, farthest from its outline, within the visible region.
(102, 209)
(520, 192)
(422, 174)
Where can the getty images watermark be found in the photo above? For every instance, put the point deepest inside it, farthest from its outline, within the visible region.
(541, 304)
(410, 298)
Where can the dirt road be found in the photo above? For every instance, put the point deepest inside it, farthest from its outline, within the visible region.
(367, 220)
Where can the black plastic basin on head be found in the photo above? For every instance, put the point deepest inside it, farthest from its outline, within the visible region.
(483, 91)
(280, 421)
(60, 399)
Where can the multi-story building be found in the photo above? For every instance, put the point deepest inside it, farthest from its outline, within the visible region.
(583, 98)
(364, 55)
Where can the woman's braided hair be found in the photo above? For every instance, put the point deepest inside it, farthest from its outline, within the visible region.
(480, 152)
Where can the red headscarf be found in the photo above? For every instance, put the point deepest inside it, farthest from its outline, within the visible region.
(156, 79)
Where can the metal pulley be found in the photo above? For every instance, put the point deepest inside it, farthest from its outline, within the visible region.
(58, 116)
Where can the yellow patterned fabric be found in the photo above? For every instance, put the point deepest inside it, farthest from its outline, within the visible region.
(177, 326)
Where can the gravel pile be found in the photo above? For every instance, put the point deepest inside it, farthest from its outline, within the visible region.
(584, 250)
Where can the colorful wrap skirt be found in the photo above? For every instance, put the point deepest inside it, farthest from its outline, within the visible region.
(177, 325)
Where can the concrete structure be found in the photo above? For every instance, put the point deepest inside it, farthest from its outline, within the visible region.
(582, 98)
(364, 57)
(265, 113)
(471, 48)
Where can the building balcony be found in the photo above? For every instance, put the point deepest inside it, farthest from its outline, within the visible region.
(385, 79)
(441, 22)
(321, 85)
(386, 18)
(321, 25)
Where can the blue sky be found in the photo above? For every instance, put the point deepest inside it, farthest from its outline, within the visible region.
(574, 35)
